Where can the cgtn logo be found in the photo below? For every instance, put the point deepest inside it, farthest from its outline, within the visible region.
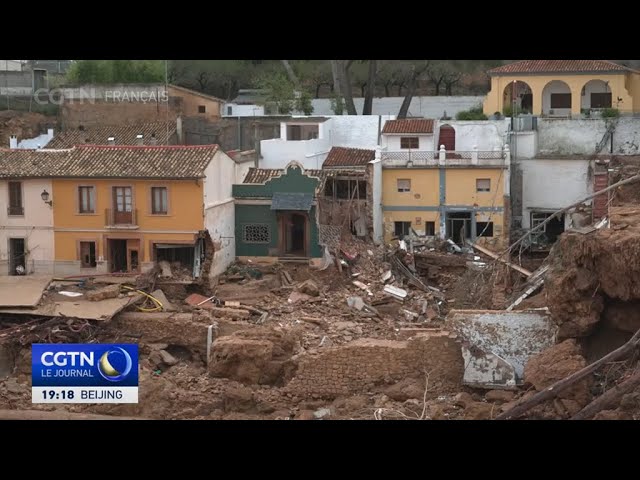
(84, 373)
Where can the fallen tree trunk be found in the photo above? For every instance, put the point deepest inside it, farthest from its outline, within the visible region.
(57, 415)
(609, 398)
(565, 383)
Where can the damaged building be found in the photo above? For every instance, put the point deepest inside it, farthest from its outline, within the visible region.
(277, 213)
(347, 196)
(110, 209)
(446, 193)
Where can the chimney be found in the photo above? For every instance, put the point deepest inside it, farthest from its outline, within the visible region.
(49, 134)
(111, 140)
(139, 139)
(179, 130)
(13, 141)
(153, 140)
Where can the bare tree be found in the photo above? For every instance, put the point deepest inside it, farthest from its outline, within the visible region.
(345, 85)
(450, 80)
(417, 69)
(367, 109)
(291, 74)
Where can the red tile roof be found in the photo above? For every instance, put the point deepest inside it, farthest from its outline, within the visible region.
(409, 125)
(348, 157)
(261, 175)
(107, 161)
(123, 134)
(559, 66)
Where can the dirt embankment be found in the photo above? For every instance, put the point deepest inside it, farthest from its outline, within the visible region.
(23, 125)
(590, 274)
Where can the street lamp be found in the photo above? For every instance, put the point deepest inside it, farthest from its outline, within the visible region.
(45, 198)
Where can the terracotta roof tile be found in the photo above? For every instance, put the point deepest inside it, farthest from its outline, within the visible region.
(559, 66)
(409, 125)
(261, 175)
(123, 134)
(348, 157)
(105, 161)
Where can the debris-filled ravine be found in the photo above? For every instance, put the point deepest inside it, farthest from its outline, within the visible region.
(413, 329)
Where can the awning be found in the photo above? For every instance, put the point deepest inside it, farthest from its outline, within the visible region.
(292, 201)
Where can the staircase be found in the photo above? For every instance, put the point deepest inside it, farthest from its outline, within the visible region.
(293, 259)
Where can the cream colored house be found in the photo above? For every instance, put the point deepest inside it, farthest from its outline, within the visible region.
(563, 88)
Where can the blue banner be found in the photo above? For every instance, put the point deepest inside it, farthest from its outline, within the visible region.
(84, 364)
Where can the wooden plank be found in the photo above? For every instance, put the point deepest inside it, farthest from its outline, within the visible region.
(495, 256)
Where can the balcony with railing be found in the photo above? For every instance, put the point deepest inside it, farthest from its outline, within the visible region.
(116, 219)
(496, 158)
(15, 210)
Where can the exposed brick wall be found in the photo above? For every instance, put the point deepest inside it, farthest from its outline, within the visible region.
(600, 182)
(74, 114)
(359, 365)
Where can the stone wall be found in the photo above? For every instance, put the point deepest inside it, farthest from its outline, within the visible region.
(359, 365)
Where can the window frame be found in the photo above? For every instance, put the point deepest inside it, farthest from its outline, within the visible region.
(152, 200)
(410, 140)
(395, 228)
(398, 180)
(79, 200)
(430, 225)
(483, 190)
(253, 242)
(484, 224)
(202, 109)
(601, 93)
(9, 205)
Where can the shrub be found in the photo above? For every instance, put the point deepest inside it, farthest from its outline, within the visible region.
(610, 113)
(474, 113)
(508, 111)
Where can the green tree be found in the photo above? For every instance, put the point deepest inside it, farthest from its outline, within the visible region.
(116, 71)
(281, 92)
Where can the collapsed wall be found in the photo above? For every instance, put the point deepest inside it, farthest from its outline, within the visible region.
(362, 364)
(593, 277)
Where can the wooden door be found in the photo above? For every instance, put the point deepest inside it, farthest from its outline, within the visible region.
(447, 138)
(122, 205)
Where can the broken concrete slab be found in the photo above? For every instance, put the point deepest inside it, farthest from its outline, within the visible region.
(22, 290)
(296, 297)
(167, 358)
(499, 343)
(78, 308)
(103, 293)
(396, 292)
(355, 302)
(167, 306)
(309, 287)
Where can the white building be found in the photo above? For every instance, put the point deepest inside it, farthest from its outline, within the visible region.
(308, 140)
(26, 221)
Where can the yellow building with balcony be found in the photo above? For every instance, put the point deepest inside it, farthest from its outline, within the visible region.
(563, 88)
(447, 194)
